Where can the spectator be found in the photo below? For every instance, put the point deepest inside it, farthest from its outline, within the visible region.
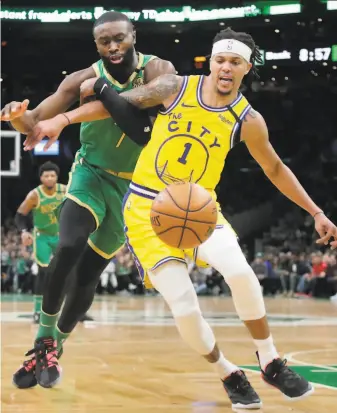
(308, 282)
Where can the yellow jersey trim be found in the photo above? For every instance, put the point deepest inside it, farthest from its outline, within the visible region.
(38, 198)
(120, 140)
(131, 78)
(96, 69)
(45, 193)
(102, 253)
(123, 175)
(84, 205)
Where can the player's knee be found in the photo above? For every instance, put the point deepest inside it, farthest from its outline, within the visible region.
(174, 284)
(246, 293)
(242, 277)
(240, 273)
(75, 241)
(232, 265)
(185, 304)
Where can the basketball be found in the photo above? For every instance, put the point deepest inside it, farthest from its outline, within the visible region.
(184, 215)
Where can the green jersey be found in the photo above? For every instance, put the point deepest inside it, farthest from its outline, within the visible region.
(103, 143)
(43, 214)
(21, 266)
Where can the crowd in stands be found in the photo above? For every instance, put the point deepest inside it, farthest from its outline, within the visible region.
(280, 269)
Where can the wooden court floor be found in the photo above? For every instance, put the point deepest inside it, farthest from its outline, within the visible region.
(132, 359)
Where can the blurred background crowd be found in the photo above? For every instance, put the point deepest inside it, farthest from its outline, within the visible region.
(297, 96)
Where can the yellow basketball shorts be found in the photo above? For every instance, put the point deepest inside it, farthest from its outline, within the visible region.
(148, 250)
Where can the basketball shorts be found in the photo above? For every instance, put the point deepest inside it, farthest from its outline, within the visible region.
(148, 250)
(102, 194)
(44, 247)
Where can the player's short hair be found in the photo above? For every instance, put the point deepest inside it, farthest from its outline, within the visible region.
(49, 166)
(247, 39)
(112, 16)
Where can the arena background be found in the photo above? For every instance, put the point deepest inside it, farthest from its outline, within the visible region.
(296, 93)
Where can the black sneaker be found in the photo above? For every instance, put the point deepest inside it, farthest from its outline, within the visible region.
(86, 317)
(24, 377)
(241, 393)
(279, 375)
(47, 369)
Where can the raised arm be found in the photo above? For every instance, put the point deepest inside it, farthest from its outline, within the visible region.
(68, 92)
(255, 135)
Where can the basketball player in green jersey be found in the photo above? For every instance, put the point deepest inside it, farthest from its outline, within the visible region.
(41, 201)
(91, 222)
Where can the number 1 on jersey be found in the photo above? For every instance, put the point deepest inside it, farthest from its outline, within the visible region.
(183, 158)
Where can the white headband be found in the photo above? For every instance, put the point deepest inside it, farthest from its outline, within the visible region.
(232, 46)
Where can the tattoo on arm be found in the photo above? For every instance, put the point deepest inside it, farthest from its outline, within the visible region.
(251, 113)
(155, 92)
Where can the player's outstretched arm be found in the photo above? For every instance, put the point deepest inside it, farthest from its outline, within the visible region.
(112, 104)
(255, 135)
(21, 217)
(110, 100)
(68, 92)
(162, 90)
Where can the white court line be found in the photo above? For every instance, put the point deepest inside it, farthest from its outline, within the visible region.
(158, 340)
(322, 371)
(312, 382)
(290, 357)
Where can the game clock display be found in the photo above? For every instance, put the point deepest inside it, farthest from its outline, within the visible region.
(318, 54)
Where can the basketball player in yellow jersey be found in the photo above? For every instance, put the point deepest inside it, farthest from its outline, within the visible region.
(204, 118)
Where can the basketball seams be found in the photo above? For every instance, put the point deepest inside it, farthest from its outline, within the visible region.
(188, 219)
(202, 206)
(182, 226)
(179, 226)
(187, 211)
(174, 201)
(184, 209)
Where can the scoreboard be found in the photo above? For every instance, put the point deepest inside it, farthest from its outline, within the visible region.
(303, 55)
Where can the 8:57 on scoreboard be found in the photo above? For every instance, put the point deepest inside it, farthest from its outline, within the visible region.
(318, 54)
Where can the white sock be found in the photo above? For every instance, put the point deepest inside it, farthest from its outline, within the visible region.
(267, 351)
(223, 367)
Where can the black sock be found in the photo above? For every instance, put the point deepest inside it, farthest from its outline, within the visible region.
(76, 224)
(82, 291)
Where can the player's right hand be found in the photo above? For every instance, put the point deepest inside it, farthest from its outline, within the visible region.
(26, 238)
(14, 110)
(50, 128)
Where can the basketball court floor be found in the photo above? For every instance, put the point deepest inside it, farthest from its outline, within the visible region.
(132, 360)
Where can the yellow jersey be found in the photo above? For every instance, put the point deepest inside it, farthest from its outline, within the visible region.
(189, 142)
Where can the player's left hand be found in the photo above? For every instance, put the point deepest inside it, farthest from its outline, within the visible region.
(50, 128)
(87, 87)
(326, 230)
